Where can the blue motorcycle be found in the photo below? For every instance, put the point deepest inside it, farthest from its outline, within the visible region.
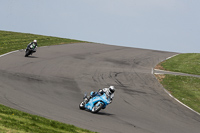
(96, 103)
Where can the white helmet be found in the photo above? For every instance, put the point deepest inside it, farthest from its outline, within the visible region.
(35, 41)
(112, 89)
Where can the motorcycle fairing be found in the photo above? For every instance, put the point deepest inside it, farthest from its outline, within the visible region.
(97, 99)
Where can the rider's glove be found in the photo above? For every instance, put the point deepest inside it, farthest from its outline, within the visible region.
(100, 91)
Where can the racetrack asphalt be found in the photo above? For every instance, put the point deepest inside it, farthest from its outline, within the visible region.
(157, 71)
(52, 81)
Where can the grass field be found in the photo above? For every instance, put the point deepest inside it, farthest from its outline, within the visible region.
(185, 63)
(10, 41)
(14, 121)
(185, 89)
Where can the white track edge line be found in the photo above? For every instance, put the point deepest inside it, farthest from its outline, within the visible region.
(15, 51)
(171, 94)
(171, 56)
(180, 102)
(9, 53)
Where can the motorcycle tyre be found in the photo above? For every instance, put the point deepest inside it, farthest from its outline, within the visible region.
(82, 105)
(28, 52)
(98, 108)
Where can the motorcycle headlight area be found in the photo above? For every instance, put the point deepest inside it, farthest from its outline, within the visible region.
(31, 46)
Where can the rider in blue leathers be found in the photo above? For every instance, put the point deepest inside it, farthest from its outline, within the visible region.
(109, 91)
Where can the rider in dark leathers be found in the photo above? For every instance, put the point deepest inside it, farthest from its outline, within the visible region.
(34, 42)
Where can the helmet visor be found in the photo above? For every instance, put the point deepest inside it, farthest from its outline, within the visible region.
(112, 91)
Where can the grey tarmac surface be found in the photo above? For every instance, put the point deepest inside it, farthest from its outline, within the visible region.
(51, 83)
(157, 71)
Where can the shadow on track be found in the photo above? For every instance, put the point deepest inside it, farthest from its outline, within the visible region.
(31, 57)
(99, 113)
(103, 113)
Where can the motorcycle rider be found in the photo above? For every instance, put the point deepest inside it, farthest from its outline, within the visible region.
(35, 43)
(109, 91)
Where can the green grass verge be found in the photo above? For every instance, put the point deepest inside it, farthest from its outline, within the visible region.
(185, 63)
(10, 41)
(14, 121)
(185, 89)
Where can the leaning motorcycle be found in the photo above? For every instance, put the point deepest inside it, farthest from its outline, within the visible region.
(95, 104)
(30, 49)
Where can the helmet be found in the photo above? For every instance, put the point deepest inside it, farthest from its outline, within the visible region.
(35, 41)
(112, 89)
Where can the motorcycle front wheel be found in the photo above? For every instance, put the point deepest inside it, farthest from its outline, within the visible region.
(82, 105)
(27, 53)
(97, 107)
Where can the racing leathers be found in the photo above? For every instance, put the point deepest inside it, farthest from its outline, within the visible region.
(32, 43)
(101, 92)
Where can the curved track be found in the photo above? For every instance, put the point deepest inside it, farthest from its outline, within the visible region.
(51, 83)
